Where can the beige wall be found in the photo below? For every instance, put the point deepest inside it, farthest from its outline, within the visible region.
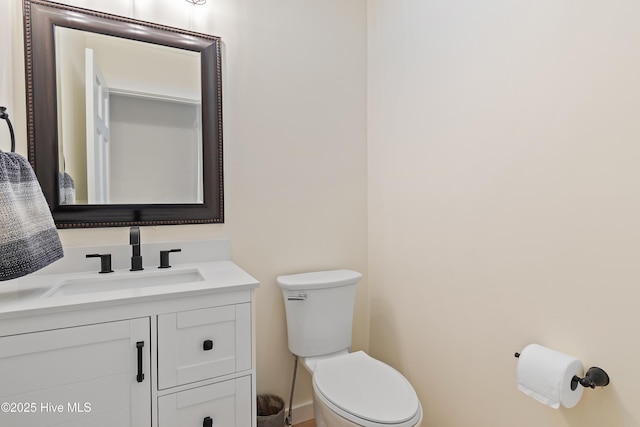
(294, 149)
(504, 201)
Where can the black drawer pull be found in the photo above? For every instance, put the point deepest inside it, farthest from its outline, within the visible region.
(207, 345)
(140, 376)
(207, 422)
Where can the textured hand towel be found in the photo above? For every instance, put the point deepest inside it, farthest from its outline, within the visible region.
(29, 240)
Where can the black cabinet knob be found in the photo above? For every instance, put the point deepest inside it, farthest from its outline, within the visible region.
(207, 345)
(207, 422)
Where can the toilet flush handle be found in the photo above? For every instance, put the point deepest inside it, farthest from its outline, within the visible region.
(300, 297)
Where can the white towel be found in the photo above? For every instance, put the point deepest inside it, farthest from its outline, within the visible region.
(29, 240)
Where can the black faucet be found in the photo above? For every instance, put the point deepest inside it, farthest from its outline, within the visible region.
(134, 240)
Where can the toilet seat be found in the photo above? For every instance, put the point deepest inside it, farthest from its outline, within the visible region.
(366, 391)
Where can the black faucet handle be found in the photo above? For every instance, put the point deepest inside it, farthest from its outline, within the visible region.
(105, 262)
(164, 257)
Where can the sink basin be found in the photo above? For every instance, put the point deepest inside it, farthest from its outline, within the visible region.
(123, 280)
(20, 294)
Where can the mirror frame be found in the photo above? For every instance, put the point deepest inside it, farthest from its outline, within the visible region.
(40, 19)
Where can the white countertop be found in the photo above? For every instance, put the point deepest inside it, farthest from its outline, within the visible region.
(31, 296)
(37, 293)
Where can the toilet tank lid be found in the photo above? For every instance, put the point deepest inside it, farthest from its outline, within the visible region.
(319, 279)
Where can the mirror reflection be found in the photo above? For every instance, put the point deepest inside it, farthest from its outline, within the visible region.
(149, 152)
(129, 122)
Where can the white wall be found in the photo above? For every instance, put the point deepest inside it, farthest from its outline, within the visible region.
(8, 31)
(164, 161)
(294, 149)
(72, 107)
(504, 201)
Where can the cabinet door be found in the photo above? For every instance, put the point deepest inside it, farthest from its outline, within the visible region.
(85, 376)
(225, 404)
(200, 344)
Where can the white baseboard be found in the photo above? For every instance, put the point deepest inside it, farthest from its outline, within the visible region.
(301, 413)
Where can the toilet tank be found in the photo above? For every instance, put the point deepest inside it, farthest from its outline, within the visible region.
(319, 310)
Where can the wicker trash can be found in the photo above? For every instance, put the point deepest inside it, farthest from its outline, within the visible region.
(270, 410)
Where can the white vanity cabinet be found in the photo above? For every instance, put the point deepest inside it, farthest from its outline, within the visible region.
(169, 356)
(93, 375)
(200, 344)
(226, 403)
(197, 346)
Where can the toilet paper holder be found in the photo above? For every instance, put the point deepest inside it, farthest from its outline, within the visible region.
(595, 377)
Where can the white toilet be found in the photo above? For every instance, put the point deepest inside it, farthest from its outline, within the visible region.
(350, 389)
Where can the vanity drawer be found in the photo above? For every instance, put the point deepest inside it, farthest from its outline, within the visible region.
(200, 344)
(225, 404)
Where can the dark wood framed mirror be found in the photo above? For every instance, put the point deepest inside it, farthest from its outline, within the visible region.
(148, 165)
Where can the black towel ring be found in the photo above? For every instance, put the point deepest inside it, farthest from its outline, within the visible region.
(4, 115)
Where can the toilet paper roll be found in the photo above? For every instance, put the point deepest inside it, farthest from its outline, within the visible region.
(546, 374)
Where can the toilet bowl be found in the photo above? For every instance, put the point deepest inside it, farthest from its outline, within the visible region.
(355, 389)
(350, 389)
